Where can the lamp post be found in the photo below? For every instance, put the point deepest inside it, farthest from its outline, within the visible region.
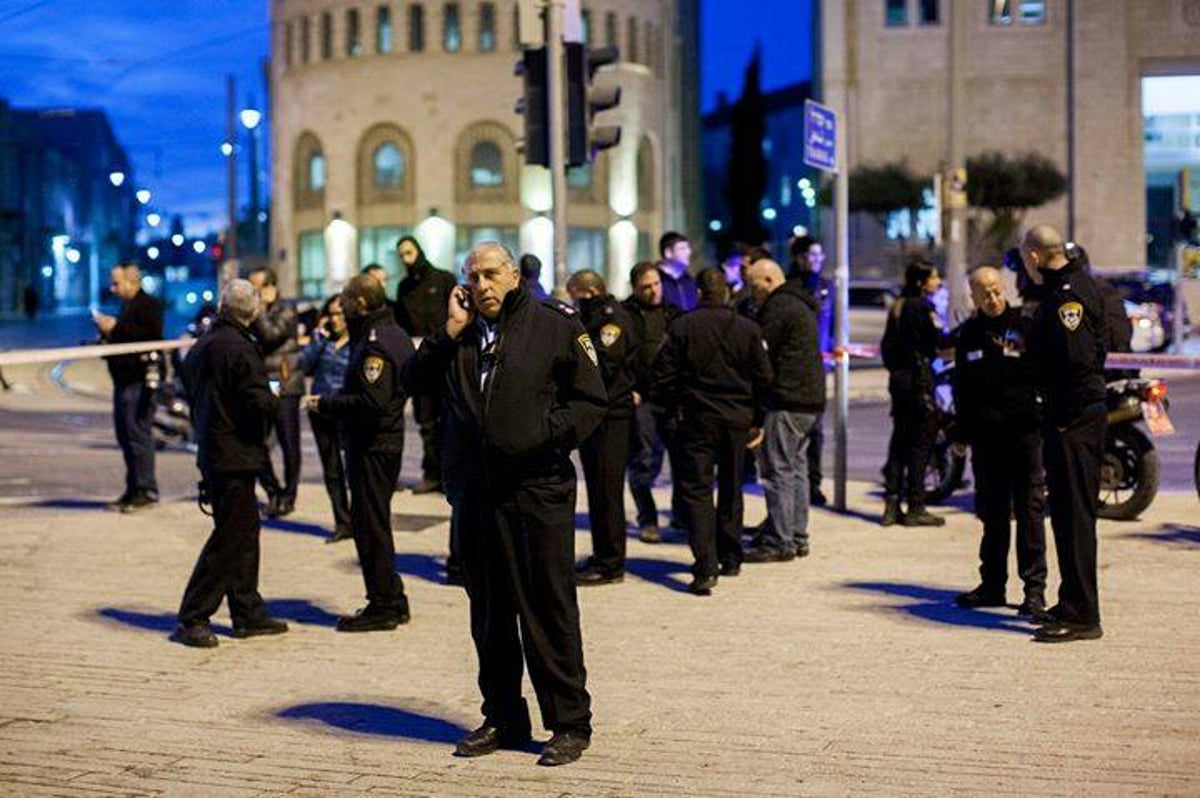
(251, 118)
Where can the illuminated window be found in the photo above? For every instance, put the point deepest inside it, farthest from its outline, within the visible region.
(487, 27)
(487, 164)
(312, 263)
(416, 28)
(451, 28)
(389, 166)
(1021, 12)
(580, 177)
(316, 172)
(327, 35)
(895, 13)
(585, 17)
(383, 30)
(353, 34)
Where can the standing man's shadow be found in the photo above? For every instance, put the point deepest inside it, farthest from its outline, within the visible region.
(660, 572)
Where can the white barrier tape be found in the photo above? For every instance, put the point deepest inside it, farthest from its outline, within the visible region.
(1129, 360)
(28, 356)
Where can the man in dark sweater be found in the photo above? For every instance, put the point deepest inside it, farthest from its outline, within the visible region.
(678, 287)
(232, 407)
(788, 317)
(714, 373)
(140, 319)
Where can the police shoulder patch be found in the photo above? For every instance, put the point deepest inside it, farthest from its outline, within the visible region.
(372, 369)
(1071, 315)
(585, 342)
(609, 334)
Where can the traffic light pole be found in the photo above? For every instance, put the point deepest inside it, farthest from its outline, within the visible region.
(556, 89)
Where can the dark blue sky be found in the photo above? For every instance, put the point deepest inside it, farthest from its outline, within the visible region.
(158, 69)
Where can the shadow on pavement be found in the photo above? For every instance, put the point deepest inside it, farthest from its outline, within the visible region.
(378, 720)
(301, 611)
(149, 621)
(582, 522)
(296, 527)
(660, 572)
(1178, 535)
(71, 504)
(422, 566)
(937, 606)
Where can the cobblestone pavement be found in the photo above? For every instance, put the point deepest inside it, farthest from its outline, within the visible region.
(849, 672)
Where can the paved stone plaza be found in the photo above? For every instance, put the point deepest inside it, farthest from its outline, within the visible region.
(848, 672)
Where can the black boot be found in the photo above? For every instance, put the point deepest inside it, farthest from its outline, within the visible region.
(891, 512)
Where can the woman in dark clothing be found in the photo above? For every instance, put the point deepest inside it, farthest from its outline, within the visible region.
(910, 344)
(326, 359)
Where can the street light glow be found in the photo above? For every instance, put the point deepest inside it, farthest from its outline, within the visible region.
(769, 214)
(116, 178)
(153, 219)
(177, 239)
(198, 246)
(715, 225)
(47, 271)
(152, 253)
(143, 195)
(226, 149)
(73, 255)
(250, 118)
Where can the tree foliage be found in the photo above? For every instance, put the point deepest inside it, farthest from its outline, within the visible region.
(1008, 187)
(880, 190)
(746, 171)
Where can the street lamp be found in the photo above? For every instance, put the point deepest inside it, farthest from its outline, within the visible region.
(251, 118)
(143, 195)
(117, 178)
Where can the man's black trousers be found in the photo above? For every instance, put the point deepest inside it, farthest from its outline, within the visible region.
(287, 431)
(708, 445)
(1073, 457)
(1010, 480)
(331, 445)
(518, 549)
(427, 410)
(604, 457)
(373, 478)
(228, 564)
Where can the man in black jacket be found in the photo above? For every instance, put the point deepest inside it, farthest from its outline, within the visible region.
(141, 319)
(788, 317)
(998, 413)
(606, 453)
(1067, 352)
(277, 328)
(653, 431)
(714, 373)
(808, 260)
(371, 406)
(421, 301)
(522, 388)
(232, 408)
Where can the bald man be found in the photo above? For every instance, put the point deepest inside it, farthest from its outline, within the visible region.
(788, 316)
(999, 415)
(1067, 352)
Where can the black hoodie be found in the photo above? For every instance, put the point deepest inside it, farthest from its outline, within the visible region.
(789, 327)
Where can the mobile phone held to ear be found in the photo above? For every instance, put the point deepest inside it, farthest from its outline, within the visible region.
(464, 299)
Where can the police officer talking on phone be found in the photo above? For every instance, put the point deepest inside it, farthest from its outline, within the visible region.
(522, 388)
(1067, 354)
(371, 405)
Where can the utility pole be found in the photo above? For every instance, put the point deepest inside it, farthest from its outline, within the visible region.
(556, 89)
(955, 228)
(231, 165)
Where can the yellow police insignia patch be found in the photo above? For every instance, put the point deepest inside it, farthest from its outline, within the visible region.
(585, 342)
(1071, 315)
(372, 369)
(609, 334)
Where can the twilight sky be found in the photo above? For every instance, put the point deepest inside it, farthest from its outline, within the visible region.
(158, 69)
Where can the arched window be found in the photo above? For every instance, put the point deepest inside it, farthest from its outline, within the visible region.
(388, 162)
(487, 164)
(316, 172)
(310, 172)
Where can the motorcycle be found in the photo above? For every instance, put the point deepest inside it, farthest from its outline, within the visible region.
(1129, 470)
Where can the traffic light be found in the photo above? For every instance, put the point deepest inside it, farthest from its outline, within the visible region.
(584, 101)
(534, 106)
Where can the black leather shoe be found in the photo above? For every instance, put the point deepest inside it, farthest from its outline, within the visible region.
(801, 550)
(731, 568)
(287, 506)
(1065, 632)
(258, 627)
(1052, 615)
(817, 498)
(1031, 607)
(564, 748)
(139, 501)
(980, 598)
(427, 486)
(120, 502)
(196, 635)
(891, 513)
(649, 534)
(372, 619)
(768, 554)
(919, 516)
(593, 575)
(340, 532)
(273, 500)
(488, 740)
(702, 585)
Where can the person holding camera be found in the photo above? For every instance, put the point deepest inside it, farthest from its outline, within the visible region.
(232, 407)
(325, 359)
(135, 378)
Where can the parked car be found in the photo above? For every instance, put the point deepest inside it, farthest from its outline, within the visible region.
(1150, 304)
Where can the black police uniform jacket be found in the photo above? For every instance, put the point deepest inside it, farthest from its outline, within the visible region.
(994, 391)
(910, 344)
(421, 299)
(789, 328)
(140, 319)
(650, 325)
(371, 401)
(611, 331)
(231, 403)
(543, 397)
(714, 368)
(1068, 345)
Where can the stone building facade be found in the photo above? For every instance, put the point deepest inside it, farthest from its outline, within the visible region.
(1060, 77)
(392, 117)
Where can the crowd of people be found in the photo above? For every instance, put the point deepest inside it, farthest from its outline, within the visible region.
(715, 371)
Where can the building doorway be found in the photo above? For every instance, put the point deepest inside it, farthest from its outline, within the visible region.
(1171, 155)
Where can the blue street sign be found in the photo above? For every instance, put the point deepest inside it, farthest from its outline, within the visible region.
(820, 136)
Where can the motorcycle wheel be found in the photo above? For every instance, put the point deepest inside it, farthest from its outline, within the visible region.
(1128, 473)
(944, 474)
